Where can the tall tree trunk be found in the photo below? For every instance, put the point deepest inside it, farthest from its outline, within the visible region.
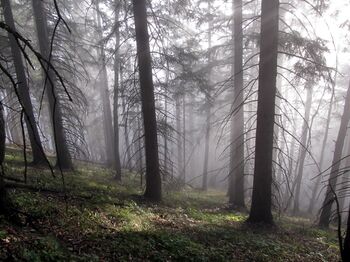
(236, 175)
(104, 92)
(303, 148)
(184, 138)
(324, 143)
(3, 194)
(23, 90)
(261, 200)
(117, 166)
(329, 198)
(64, 160)
(153, 179)
(208, 109)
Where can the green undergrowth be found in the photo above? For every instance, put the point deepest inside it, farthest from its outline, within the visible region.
(95, 218)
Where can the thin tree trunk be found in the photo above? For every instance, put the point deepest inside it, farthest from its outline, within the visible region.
(324, 143)
(3, 194)
(64, 160)
(184, 138)
(303, 149)
(329, 198)
(261, 200)
(117, 166)
(236, 175)
(208, 110)
(206, 149)
(23, 90)
(153, 179)
(179, 139)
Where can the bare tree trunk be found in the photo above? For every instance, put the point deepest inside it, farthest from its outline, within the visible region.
(329, 199)
(64, 160)
(261, 200)
(184, 138)
(324, 143)
(23, 90)
(153, 179)
(179, 139)
(3, 194)
(117, 166)
(206, 149)
(236, 175)
(126, 132)
(303, 148)
(208, 110)
(106, 105)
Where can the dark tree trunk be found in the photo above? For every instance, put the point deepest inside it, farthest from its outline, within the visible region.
(303, 149)
(329, 199)
(345, 253)
(261, 199)
(153, 179)
(117, 166)
(23, 90)
(236, 175)
(64, 160)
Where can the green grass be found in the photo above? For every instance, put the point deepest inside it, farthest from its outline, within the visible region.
(97, 219)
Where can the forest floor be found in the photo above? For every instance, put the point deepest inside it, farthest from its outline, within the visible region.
(98, 219)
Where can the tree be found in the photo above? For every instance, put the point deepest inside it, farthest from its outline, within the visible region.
(303, 148)
(3, 194)
(104, 93)
(208, 107)
(23, 90)
(117, 165)
(261, 199)
(332, 181)
(236, 174)
(153, 179)
(62, 152)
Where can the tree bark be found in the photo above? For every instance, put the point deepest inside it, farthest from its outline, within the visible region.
(208, 109)
(3, 194)
(332, 181)
(117, 166)
(324, 143)
(153, 179)
(303, 149)
(104, 92)
(39, 157)
(261, 199)
(64, 160)
(206, 148)
(236, 175)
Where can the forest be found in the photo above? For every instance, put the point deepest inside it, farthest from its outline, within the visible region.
(174, 130)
